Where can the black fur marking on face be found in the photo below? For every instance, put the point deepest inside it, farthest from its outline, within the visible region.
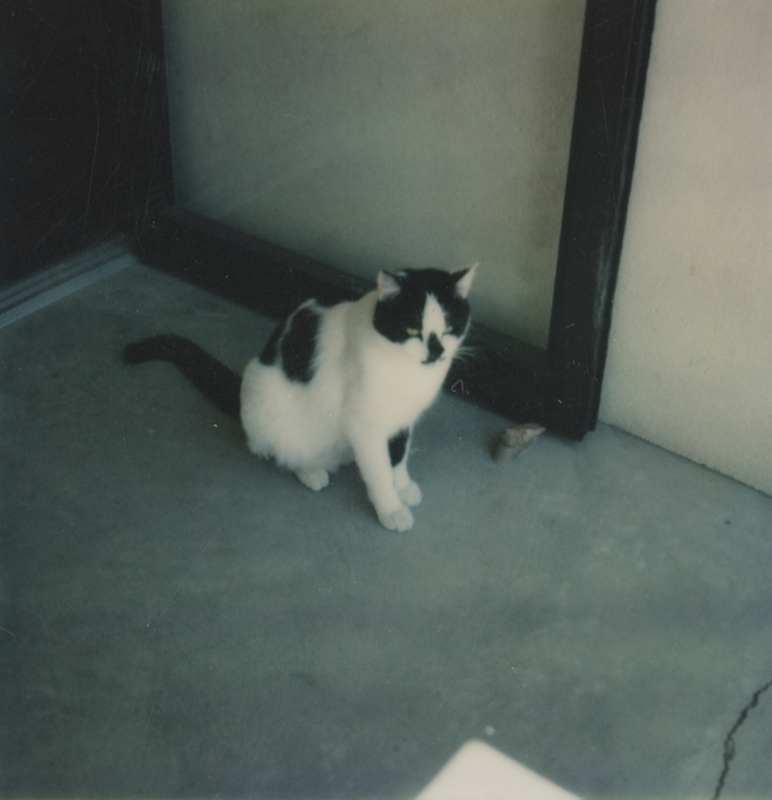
(435, 349)
(395, 315)
(398, 446)
(298, 345)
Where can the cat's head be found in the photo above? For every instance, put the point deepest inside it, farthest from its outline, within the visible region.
(425, 310)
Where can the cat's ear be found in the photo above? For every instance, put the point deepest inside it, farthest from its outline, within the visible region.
(463, 279)
(388, 286)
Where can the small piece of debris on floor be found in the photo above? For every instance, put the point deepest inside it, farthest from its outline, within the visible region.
(514, 440)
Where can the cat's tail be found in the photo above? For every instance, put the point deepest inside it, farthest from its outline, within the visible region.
(214, 380)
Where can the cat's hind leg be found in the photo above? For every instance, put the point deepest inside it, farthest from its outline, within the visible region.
(315, 479)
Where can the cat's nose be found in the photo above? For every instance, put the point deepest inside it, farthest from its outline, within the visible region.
(434, 347)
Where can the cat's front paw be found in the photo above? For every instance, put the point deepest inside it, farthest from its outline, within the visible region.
(410, 495)
(315, 479)
(399, 520)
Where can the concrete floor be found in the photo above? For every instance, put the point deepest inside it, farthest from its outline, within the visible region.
(179, 619)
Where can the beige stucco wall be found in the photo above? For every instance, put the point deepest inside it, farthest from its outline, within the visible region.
(690, 357)
(379, 134)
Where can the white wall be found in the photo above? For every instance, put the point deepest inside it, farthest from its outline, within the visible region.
(384, 133)
(690, 357)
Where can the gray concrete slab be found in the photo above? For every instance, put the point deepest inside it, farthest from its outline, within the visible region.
(178, 618)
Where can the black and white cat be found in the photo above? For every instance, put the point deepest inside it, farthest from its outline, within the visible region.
(342, 383)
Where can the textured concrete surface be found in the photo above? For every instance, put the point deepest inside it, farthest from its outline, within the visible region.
(178, 618)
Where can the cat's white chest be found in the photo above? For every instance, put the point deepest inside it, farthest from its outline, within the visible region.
(392, 387)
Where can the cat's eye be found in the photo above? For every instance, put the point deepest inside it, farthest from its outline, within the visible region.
(413, 332)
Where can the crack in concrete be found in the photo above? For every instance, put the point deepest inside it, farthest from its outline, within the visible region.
(729, 744)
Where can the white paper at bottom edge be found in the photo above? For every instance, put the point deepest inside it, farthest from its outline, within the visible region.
(480, 772)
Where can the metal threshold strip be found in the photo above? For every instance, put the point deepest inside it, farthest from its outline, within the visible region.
(70, 276)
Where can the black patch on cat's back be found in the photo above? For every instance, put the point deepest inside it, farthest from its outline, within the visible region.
(271, 350)
(398, 446)
(298, 344)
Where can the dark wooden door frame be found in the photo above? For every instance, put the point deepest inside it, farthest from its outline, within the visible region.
(609, 102)
(124, 184)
